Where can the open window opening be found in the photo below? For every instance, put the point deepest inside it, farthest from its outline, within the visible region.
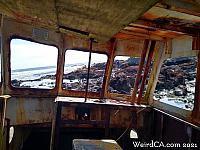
(76, 71)
(33, 65)
(123, 74)
(176, 82)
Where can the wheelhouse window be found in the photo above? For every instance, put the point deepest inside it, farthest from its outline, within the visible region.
(123, 74)
(176, 82)
(76, 71)
(33, 65)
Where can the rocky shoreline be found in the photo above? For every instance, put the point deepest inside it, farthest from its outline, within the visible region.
(176, 79)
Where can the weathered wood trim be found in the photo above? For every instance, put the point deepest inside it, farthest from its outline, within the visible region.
(141, 65)
(158, 59)
(146, 71)
(108, 70)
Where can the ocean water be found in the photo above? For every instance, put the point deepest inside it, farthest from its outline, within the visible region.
(31, 77)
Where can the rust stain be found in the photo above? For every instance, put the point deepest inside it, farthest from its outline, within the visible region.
(176, 22)
(149, 16)
(21, 113)
(36, 20)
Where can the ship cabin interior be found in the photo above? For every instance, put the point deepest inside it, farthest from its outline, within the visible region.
(82, 72)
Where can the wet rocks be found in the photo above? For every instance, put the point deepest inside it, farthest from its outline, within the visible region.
(178, 92)
(120, 85)
(16, 83)
(177, 79)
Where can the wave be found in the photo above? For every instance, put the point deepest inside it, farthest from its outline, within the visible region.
(32, 69)
(44, 68)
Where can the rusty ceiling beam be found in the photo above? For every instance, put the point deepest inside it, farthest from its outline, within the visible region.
(184, 6)
(132, 34)
(165, 25)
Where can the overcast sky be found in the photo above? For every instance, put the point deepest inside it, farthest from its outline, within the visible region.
(25, 54)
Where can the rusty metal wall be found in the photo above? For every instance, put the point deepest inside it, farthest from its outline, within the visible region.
(25, 111)
(34, 105)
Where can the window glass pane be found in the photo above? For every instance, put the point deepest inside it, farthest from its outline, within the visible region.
(123, 74)
(176, 82)
(33, 65)
(75, 72)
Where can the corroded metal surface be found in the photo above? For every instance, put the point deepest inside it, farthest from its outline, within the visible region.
(24, 111)
(35, 106)
(184, 6)
(100, 19)
(92, 17)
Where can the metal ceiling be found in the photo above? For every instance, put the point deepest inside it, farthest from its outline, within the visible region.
(104, 19)
(100, 18)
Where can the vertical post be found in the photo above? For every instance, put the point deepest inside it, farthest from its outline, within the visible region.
(158, 59)
(108, 70)
(88, 73)
(137, 80)
(146, 70)
(3, 101)
(60, 64)
(196, 110)
(55, 131)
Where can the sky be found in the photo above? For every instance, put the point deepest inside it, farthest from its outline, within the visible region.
(83, 57)
(26, 54)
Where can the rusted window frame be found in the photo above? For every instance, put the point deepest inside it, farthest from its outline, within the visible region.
(118, 95)
(90, 94)
(144, 55)
(180, 114)
(32, 91)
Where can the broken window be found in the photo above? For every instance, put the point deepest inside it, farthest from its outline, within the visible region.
(76, 71)
(176, 82)
(123, 74)
(33, 65)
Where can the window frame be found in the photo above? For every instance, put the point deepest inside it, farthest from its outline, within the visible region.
(75, 93)
(180, 114)
(32, 91)
(124, 97)
(158, 101)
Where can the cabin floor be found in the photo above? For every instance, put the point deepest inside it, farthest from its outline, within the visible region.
(40, 138)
